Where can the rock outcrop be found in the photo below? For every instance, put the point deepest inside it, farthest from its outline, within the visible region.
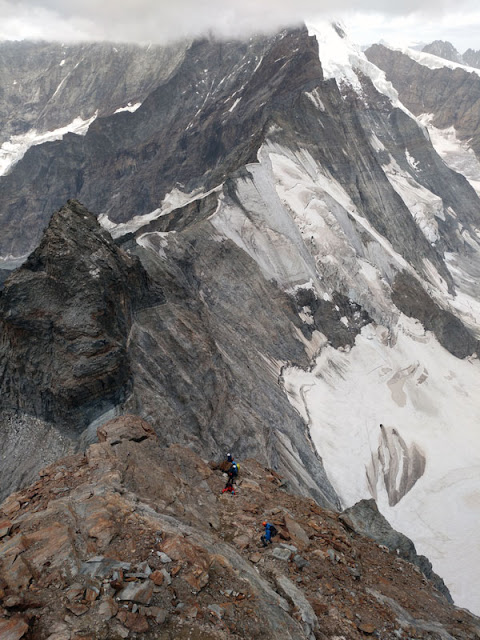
(443, 49)
(136, 540)
(412, 299)
(65, 316)
(446, 50)
(451, 95)
(365, 518)
(471, 57)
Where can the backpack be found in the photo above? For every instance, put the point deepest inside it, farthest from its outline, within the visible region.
(273, 530)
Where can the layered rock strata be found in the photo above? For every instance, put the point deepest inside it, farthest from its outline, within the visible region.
(98, 547)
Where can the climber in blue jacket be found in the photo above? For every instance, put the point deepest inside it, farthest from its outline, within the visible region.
(270, 531)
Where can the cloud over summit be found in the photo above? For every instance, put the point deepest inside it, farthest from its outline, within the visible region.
(166, 20)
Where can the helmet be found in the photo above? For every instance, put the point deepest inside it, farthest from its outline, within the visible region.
(264, 524)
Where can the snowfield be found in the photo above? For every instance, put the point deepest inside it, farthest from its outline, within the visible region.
(406, 381)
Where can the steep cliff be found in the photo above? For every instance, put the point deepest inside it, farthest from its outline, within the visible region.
(46, 85)
(452, 96)
(65, 318)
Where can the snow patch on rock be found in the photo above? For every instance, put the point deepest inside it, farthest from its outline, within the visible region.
(424, 205)
(14, 149)
(173, 200)
(343, 60)
(129, 107)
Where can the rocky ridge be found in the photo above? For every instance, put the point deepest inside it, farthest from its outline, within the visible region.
(443, 49)
(99, 547)
(446, 50)
(451, 95)
(88, 331)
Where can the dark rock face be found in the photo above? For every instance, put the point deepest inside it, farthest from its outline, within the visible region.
(411, 298)
(46, 85)
(399, 465)
(327, 317)
(365, 518)
(452, 95)
(65, 317)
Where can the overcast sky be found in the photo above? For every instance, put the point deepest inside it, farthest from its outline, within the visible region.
(162, 20)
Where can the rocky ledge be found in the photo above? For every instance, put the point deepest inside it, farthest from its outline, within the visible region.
(134, 540)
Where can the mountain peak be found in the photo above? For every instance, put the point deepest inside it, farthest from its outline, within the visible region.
(69, 307)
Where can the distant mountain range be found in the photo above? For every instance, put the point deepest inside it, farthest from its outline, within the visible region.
(442, 49)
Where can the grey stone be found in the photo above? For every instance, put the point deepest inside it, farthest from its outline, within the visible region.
(107, 609)
(167, 576)
(164, 557)
(144, 568)
(281, 553)
(299, 561)
(100, 567)
(216, 609)
(294, 595)
(140, 592)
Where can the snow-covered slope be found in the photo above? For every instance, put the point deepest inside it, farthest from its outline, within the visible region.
(434, 62)
(344, 60)
(457, 154)
(402, 378)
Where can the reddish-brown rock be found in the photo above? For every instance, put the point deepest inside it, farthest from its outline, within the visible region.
(157, 578)
(136, 622)
(127, 427)
(13, 628)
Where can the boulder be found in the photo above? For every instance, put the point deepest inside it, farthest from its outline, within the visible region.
(297, 533)
(12, 628)
(127, 427)
(141, 592)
